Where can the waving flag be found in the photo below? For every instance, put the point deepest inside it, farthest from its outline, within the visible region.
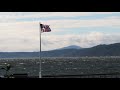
(45, 28)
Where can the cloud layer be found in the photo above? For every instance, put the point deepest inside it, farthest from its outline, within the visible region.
(23, 35)
(50, 42)
(85, 40)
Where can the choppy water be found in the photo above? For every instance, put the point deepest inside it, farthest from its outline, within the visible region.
(63, 66)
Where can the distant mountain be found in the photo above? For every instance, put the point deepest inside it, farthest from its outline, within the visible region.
(99, 50)
(70, 51)
(71, 47)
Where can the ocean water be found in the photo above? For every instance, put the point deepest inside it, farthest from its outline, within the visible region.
(63, 66)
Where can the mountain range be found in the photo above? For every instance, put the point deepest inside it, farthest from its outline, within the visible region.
(70, 51)
(71, 47)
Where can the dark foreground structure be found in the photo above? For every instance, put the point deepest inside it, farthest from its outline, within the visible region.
(110, 75)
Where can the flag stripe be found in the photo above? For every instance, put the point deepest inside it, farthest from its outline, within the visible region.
(45, 28)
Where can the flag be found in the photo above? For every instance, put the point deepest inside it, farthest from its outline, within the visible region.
(45, 28)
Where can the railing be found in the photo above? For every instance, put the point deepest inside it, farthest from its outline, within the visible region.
(108, 75)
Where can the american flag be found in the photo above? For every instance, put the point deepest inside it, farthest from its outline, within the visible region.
(45, 28)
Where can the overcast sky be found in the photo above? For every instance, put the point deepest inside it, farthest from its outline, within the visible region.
(19, 31)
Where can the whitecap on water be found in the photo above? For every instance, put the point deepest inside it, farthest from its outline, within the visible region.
(21, 63)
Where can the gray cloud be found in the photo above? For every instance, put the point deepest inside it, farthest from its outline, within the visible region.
(51, 42)
(24, 36)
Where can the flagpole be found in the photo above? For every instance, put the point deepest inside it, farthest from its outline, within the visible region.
(40, 72)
